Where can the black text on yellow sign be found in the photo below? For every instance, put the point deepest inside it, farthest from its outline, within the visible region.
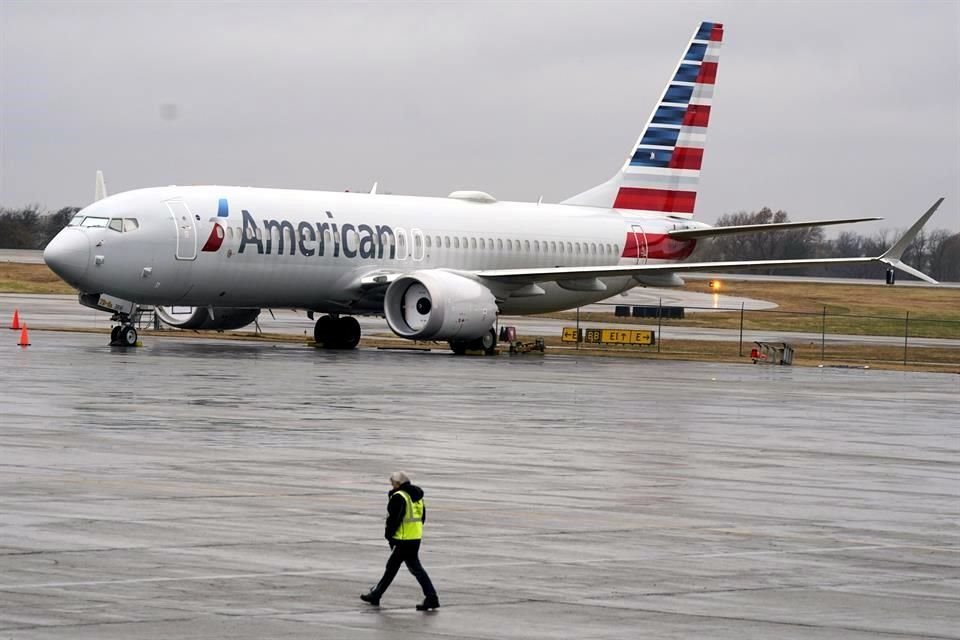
(609, 336)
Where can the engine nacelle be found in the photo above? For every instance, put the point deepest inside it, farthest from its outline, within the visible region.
(198, 318)
(439, 305)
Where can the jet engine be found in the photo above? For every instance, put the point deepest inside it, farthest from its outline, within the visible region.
(200, 318)
(439, 305)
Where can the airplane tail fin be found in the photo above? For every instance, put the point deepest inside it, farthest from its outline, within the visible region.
(663, 169)
(100, 190)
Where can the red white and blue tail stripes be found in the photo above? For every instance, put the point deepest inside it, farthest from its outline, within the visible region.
(662, 172)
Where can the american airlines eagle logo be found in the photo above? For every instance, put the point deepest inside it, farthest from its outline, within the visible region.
(216, 234)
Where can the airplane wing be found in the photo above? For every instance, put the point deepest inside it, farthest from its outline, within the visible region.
(890, 257)
(710, 232)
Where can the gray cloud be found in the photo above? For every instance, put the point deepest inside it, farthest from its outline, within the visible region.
(822, 109)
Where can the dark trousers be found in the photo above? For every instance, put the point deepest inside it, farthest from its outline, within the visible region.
(406, 551)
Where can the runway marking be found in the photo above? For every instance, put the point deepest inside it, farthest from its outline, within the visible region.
(485, 565)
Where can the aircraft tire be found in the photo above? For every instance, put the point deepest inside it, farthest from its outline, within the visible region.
(324, 331)
(348, 333)
(128, 336)
(459, 347)
(115, 335)
(489, 342)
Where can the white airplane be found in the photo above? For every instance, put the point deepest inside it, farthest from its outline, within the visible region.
(437, 268)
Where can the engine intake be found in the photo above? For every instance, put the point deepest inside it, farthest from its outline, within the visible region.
(439, 305)
(198, 318)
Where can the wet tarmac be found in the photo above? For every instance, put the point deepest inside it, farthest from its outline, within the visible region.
(63, 311)
(204, 489)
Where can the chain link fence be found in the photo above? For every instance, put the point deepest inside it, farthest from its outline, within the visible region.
(826, 336)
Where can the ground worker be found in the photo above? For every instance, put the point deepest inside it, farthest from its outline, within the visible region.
(406, 513)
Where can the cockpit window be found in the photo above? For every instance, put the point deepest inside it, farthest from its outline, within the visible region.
(94, 222)
(124, 224)
(75, 220)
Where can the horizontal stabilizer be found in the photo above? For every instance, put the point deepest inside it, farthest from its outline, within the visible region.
(710, 232)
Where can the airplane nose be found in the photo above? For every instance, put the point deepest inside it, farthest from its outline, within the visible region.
(68, 255)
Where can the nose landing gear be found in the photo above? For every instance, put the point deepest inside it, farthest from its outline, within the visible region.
(124, 335)
(335, 332)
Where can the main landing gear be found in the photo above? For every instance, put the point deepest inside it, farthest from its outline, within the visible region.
(335, 332)
(123, 335)
(486, 343)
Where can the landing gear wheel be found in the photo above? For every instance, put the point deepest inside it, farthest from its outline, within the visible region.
(337, 333)
(115, 335)
(323, 331)
(348, 333)
(488, 343)
(128, 336)
(459, 347)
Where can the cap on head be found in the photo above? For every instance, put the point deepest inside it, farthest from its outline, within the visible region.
(398, 478)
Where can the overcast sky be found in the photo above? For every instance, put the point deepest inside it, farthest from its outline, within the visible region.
(824, 109)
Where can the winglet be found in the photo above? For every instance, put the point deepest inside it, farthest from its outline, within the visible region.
(892, 255)
(101, 189)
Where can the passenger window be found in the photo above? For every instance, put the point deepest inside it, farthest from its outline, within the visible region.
(500, 244)
(130, 224)
(570, 247)
(616, 249)
(230, 233)
(482, 244)
(509, 245)
(464, 242)
(456, 242)
(428, 241)
(473, 243)
(593, 248)
(116, 224)
(446, 241)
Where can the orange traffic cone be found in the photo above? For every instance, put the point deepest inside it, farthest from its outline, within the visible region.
(24, 337)
(16, 320)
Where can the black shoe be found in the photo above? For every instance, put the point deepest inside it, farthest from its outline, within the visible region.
(429, 603)
(371, 598)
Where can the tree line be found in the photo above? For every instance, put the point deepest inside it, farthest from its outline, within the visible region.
(936, 253)
(31, 227)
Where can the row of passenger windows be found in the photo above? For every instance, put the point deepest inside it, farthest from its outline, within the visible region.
(117, 224)
(537, 246)
(483, 244)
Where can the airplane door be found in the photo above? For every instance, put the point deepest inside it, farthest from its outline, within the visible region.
(186, 230)
(640, 239)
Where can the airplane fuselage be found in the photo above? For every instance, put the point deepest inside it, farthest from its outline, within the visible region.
(251, 247)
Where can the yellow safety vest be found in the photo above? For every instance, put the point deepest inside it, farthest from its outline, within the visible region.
(411, 527)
